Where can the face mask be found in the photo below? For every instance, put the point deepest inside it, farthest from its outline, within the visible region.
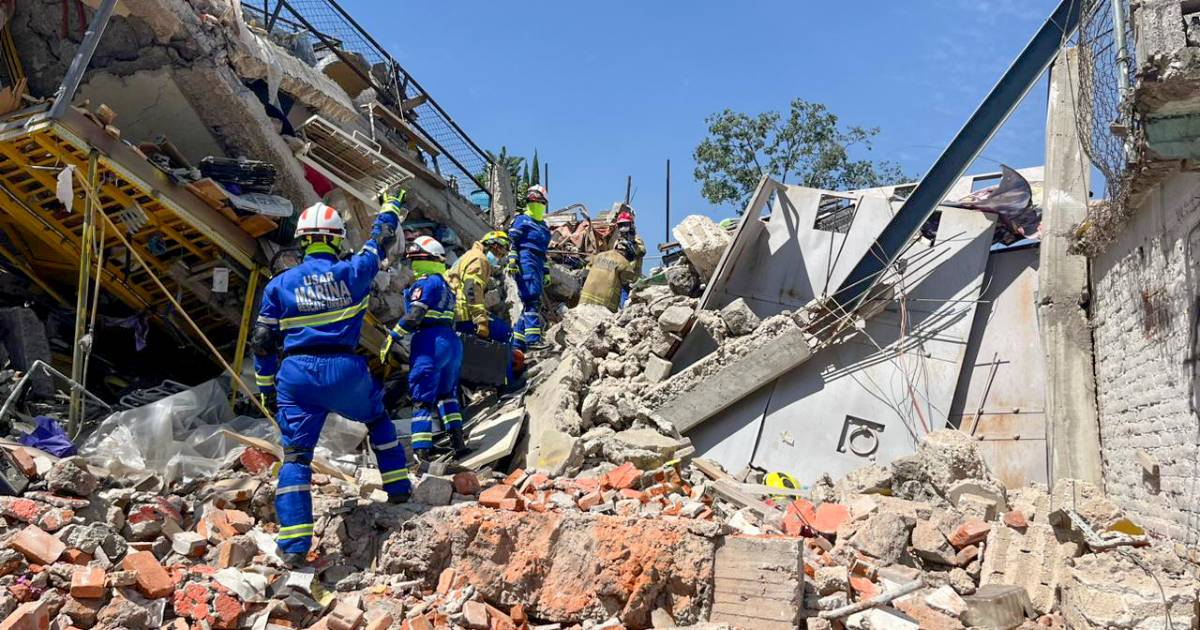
(428, 267)
(535, 210)
(492, 260)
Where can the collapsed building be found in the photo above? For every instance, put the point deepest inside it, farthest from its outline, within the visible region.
(880, 408)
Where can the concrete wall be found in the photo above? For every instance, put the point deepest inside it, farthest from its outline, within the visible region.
(1146, 287)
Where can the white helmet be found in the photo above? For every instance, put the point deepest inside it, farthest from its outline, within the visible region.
(321, 220)
(426, 248)
(537, 194)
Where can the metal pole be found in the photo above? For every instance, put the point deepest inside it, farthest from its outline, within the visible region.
(667, 225)
(83, 57)
(546, 170)
(958, 155)
(75, 410)
(239, 351)
(1118, 14)
(628, 187)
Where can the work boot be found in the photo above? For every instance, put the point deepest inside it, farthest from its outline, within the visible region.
(421, 459)
(296, 559)
(396, 498)
(458, 443)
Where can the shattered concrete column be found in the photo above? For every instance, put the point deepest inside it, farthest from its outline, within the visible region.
(504, 202)
(1072, 423)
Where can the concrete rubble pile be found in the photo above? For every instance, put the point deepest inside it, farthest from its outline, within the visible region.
(612, 547)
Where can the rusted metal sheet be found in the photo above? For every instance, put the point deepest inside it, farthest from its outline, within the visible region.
(1001, 390)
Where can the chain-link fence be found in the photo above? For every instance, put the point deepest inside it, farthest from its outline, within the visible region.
(333, 30)
(1102, 125)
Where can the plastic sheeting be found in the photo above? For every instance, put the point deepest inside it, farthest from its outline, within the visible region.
(180, 437)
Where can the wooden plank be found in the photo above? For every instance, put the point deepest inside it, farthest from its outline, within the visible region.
(210, 192)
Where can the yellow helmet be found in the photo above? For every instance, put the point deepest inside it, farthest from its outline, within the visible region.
(783, 481)
(496, 238)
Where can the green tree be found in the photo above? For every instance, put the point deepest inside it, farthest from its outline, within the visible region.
(809, 147)
(536, 176)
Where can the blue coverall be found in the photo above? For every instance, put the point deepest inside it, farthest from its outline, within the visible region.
(318, 307)
(435, 358)
(530, 239)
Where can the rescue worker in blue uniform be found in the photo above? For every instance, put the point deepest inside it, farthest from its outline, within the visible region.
(527, 262)
(435, 351)
(305, 365)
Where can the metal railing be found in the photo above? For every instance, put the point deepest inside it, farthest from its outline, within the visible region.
(335, 31)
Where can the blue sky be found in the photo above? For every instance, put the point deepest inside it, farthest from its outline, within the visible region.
(609, 89)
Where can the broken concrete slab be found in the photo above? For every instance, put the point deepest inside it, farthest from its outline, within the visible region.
(1035, 559)
(1110, 590)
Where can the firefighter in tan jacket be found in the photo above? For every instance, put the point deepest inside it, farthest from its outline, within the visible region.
(469, 278)
(610, 272)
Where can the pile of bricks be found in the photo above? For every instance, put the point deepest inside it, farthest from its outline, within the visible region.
(623, 491)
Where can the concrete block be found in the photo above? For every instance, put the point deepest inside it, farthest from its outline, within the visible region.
(758, 583)
(433, 490)
(703, 242)
(657, 369)
(1111, 591)
(675, 318)
(945, 600)
(997, 607)
(739, 319)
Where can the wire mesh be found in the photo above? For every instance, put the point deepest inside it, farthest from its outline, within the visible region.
(465, 164)
(1099, 99)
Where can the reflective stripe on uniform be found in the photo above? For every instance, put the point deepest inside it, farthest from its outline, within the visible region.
(392, 476)
(447, 401)
(261, 380)
(296, 531)
(270, 321)
(439, 314)
(289, 489)
(367, 247)
(320, 319)
(386, 446)
(422, 437)
(452, 417)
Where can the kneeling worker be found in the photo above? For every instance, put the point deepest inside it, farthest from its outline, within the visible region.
(435, 354)
(471, 277)
(610, 275)
(313, 312)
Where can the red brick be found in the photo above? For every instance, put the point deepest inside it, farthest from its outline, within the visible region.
(513, 505)
(218, 524)
(21, 509)
(499, 620)
(517, 614)
(865, 588)
(231, 555)
(966, 555)
(152, 579)
(1016, 520)
(227, 610)
(969, 533)
(37, 545)
(590, 500)
(445, 581)
(587, 484)
(255, 460)
(800, 513)
(830, 516)
(380, 623)
(624, 476)
(630, 493)
(537, 481)
(240, 521)
(87, 583)
(191, 601)
(24, 462)
(466, 483)
(75, 556)
(494, 495)
(515, 477)
(475, 615)
(420, 623)
(28, 616)
(928, 618)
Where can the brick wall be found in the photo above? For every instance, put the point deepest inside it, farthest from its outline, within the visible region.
(1145, 291)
